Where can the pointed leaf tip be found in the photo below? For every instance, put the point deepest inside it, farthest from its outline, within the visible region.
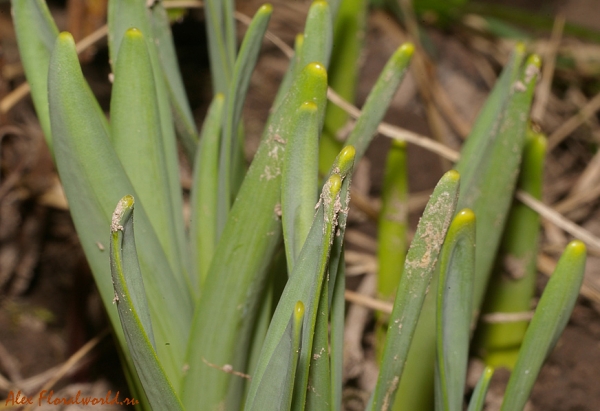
(346, 159)
(65, 36)
(316, 69)
(465, 216)
(265, 8)
(309, 106)
(451, 175)
(577, 248)
(299, 310)
(335, 184)
(134, 33)
(407, 49)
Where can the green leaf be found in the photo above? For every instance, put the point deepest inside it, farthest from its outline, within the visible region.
(392, 240)
(550, 318)
(242, 258)
(337, 335)
(94, 181)
(379, 99)
(221, 42)
(203, 196)
(123, 15)
(318, 392)
(492, 170)
(305, 285)
(299, 181)
(418, 269)
(512, 284)
(318, 35)
(478, 397)
(130, 299)
(273, 392)
(244, 66)
(454, 311)
(348, 37)
(182, 114)
(136, 136)
(36, 35)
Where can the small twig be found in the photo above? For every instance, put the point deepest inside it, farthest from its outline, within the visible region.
(227, 368)
(574, 122)
(545, 87)
(501, 318)
(558, 219)
(368, 302)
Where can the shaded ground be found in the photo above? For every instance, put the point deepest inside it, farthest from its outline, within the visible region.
(49, 308)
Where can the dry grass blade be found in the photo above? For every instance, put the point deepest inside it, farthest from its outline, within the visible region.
(8, 102)
(549, 57)
(575, 121)
(71, 362)
(369, 302)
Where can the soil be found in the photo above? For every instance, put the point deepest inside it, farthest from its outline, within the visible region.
(49, 307)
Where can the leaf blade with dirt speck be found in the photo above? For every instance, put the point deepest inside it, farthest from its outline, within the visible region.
(418, 269)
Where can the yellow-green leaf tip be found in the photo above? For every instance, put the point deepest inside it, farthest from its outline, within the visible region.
(319, 3)
(407, 49)
(520, 47)
(335, 184)
(316, 70)
(488, 372)
(451, 175)
(266, 8)
(465, 216)
(308, 106)
(299, 310)
(535, 60)
(346, 159)
(576, 248)
(65, 36)
(398, 143)
(134, 33)
(124, 204)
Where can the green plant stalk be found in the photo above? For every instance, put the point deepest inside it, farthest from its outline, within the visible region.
(203, 195)
(220, 31)
(418, 269)
(130, 299)
(379, 99)
(477, 401)
(123, 15)
(275, 393)
(234, 101)
(94, 181)
(454, 311)
(550, 318)
(305, 285)
(338, 306)
(36, 34)
(239, 266)
(416, 389)
(512, 284)
(136, 136)
(318, 35)
(348, 37)
(185, 124)
(391, 231)
(492, 171)
(300, 181)
(318, 393)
